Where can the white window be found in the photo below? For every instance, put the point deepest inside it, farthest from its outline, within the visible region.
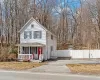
(32, 26)
(52, 37)
(37, 34)
(27, 34)
(51, 48)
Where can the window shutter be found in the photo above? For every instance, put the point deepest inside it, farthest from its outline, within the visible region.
(40, 34)
(51, 48)
(37, 34)
(34, 34)
(30, 34)
(52, 37)
(25, 34)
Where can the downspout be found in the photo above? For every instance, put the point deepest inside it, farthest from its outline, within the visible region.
(47, 44)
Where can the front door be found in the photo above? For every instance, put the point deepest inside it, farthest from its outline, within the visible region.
(39, 51)
(34, 52)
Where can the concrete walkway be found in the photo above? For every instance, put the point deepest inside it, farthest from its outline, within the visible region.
(59, 66)
(52, 67)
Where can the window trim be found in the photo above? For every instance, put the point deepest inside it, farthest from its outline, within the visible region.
(32, 25)
(51, 37)
(51, 48)
(37, 37)
(27, 34)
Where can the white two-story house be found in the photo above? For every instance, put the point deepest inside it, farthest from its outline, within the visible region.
(35, 39)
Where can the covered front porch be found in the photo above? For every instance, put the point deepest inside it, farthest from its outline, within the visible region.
(32, 51)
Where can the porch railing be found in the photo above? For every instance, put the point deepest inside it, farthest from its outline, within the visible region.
(25, 56)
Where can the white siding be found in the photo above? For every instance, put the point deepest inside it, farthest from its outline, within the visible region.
(37, 27)
(50, 43)
(44, 53)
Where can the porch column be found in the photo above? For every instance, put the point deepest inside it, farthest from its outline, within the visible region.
(18, 52)
(29, 53)
(21, 50)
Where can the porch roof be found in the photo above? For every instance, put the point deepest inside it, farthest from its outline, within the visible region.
(31, 44)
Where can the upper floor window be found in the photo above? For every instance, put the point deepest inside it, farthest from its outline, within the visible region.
(32, 26)
(37, 34)
(51, 48)
(52, 37)
(28, 34)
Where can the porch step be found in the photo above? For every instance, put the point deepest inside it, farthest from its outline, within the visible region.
(35, 61)
(64, 58)
(53, 57)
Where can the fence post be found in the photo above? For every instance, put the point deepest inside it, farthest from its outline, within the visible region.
(89, 54)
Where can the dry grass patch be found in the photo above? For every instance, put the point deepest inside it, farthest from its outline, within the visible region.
(19, 65)
(85, 68)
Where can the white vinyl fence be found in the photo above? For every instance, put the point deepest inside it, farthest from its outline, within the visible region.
(79, 53)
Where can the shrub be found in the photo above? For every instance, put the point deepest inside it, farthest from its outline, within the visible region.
(8, 53)
(12, 54)
(13, 51)
(4, 53)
